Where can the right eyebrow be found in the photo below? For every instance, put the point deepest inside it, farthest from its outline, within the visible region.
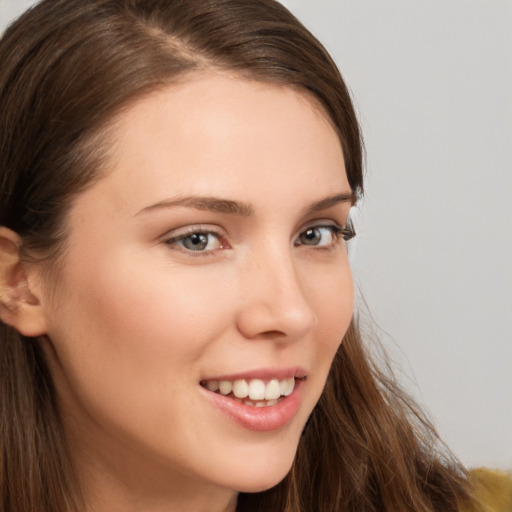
(204, 203)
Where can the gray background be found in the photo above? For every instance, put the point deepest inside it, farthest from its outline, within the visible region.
(432, 82)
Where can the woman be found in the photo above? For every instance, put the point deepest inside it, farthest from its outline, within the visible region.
(176, 299)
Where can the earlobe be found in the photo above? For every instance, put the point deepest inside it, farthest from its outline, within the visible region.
(19, 306)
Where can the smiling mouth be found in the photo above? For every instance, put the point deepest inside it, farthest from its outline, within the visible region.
(253, 392)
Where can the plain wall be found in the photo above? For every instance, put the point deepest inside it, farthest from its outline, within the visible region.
(432, 82)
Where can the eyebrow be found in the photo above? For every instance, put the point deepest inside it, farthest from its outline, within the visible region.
(238, 208)
(205, 203)
(328, 202)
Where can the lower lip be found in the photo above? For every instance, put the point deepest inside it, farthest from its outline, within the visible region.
(261, 419)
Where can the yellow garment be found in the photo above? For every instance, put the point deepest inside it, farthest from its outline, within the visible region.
(493, 489)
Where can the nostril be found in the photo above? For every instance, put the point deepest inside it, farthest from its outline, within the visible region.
(273, 334)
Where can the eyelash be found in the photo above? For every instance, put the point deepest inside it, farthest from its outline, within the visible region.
(338, 233)
(348, 231)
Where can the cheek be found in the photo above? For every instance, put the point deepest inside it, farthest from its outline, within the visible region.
(153, 312)
(129, 341)
(334, 305)
(332, 296)
(132, 328)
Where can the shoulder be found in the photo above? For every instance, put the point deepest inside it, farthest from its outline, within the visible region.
(493, 489)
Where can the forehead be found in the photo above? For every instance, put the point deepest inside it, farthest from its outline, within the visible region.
(213, 134)
(221, 98)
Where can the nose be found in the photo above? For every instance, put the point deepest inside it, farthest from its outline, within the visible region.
(274, 301)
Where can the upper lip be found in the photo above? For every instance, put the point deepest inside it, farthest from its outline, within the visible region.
(263, 374)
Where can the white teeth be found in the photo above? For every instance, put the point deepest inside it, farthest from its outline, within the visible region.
(213, 385)
(225, 387)
(240, 388)
(288, 388)
(272, 390)
(256, 389)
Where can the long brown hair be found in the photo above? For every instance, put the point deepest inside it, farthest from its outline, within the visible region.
(67, 67)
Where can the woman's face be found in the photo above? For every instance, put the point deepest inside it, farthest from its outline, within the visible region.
(208, 255)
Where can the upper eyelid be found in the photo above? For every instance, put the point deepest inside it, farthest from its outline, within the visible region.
(183, 232)
(321, 223)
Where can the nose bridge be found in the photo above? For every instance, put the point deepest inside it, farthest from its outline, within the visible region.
(275, 301)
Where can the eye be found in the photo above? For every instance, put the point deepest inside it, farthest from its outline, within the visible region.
(325, 235)
(319, 236)
(196, 241)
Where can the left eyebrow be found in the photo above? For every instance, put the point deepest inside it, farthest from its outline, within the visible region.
(328, 202)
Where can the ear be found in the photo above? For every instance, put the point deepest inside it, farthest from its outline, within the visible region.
(19, 306)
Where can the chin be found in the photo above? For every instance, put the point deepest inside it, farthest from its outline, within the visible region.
(261, 473)
(263, 483)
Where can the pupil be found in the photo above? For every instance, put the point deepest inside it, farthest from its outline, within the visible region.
(312, 236)
(197, 241)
